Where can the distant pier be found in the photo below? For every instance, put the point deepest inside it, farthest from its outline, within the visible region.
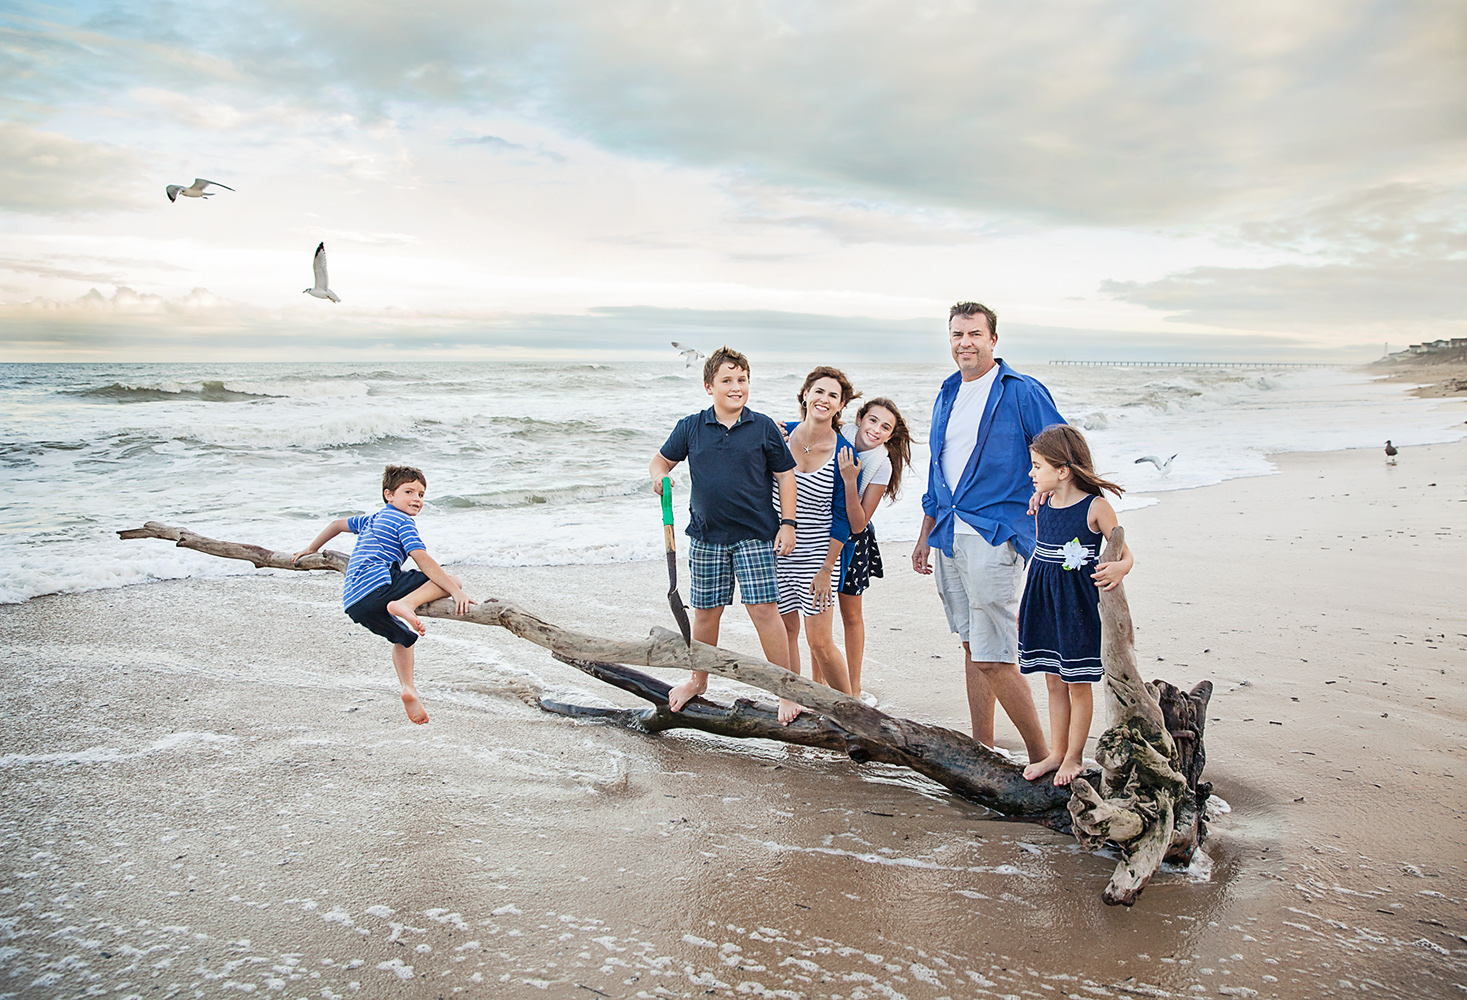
(1192, 364)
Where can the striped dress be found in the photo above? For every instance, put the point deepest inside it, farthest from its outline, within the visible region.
(814, 493)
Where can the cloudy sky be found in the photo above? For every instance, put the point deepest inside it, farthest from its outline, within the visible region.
(512, 178)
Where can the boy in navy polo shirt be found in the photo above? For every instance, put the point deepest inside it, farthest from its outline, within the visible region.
(735, 456)
(378, 592)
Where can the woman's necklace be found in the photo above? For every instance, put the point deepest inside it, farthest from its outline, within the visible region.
(812, 444)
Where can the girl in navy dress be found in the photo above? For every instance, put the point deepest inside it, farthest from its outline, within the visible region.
(1059, 616)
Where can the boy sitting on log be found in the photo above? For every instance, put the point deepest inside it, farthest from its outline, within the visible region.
(377, 591)
(735, 456)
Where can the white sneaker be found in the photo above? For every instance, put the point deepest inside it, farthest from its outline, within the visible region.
(868, 698)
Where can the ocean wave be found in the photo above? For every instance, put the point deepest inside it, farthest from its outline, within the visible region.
(170, 392)
(559, 496)
(560, 431)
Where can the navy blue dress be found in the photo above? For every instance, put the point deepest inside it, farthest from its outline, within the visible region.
(1059, 616)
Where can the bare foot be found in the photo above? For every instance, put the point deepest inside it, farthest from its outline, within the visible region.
(788, 711)
(1067, 772)
(1040, 768)
(397, 609)
(414, 707)
(686, 692)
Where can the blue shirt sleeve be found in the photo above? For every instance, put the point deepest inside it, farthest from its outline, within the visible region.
(934, 449)
(776, 450)
(1037, 410)
(357, 523)
(675, 448)
(407, 536)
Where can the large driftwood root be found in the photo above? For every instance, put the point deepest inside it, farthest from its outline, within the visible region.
(835, 721)
(1151, 801)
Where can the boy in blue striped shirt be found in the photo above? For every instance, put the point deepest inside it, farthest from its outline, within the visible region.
(378, 592)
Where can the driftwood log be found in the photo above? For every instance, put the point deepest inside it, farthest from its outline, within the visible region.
(1149, 803)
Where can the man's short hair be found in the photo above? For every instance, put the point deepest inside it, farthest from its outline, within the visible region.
(975, 309)
(725, 355)
(395, 475)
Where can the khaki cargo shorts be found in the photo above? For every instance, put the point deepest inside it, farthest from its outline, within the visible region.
(980, 586)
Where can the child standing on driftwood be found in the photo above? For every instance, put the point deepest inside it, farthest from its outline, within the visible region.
(1059, 616)
(736, 456)
(377, 591)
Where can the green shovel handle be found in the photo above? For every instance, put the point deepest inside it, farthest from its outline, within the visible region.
(667, 500)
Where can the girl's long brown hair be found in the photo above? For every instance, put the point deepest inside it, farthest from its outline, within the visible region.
(847, 391)
(898, 446)
(1064, 448)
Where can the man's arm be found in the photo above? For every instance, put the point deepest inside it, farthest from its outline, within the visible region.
(429, 566)
(329, 532)
(658, 468)
(922, 550)
(1036, 409)
(784, 542)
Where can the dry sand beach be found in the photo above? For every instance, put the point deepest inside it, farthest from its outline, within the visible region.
(210, 788)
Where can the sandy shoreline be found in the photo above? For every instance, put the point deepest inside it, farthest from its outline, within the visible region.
(209, 787)
(1430, 378)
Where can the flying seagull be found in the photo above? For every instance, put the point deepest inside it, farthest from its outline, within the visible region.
(318, 265)
(690, 354)
(194, 190)
(1162, 467)
(1391, 451)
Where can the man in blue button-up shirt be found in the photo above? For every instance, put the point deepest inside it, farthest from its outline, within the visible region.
(976, 516)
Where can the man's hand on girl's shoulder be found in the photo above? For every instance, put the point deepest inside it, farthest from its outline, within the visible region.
(1038, 500)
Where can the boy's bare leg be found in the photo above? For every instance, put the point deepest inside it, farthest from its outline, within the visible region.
(406, 607)
(1059, 729)
(774, 640)
(705, 630)
(824, 651)
(1081, 701)
(402, 662)
(854, 626)
(791, 623)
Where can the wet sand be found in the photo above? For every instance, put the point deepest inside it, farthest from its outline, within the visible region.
(211, 788)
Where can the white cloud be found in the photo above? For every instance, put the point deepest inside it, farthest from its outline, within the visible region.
(1103, 165)
(44, 173)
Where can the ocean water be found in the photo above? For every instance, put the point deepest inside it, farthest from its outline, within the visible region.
(537, 464)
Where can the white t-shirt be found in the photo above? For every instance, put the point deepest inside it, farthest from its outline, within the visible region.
(962, 434)
(875, 463)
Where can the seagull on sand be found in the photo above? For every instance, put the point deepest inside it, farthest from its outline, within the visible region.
(690, 354)
(1390, 453)
(1162, 467)
(194, 190)
(318, 265)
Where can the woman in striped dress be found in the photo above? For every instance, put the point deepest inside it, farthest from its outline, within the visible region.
(811, 574)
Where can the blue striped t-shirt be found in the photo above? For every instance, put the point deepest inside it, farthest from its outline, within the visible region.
(384, 539)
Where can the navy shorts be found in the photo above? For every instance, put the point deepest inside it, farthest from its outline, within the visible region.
(371, 611)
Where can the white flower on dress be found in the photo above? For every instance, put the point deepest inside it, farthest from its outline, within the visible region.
(1076, 555)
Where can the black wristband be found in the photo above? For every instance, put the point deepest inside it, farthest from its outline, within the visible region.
(789, 521)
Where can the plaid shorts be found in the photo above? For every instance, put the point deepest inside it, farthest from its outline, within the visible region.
(714, 568)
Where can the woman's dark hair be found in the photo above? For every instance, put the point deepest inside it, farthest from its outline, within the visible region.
(847, 391)
(898, 446)
(1064, 448)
